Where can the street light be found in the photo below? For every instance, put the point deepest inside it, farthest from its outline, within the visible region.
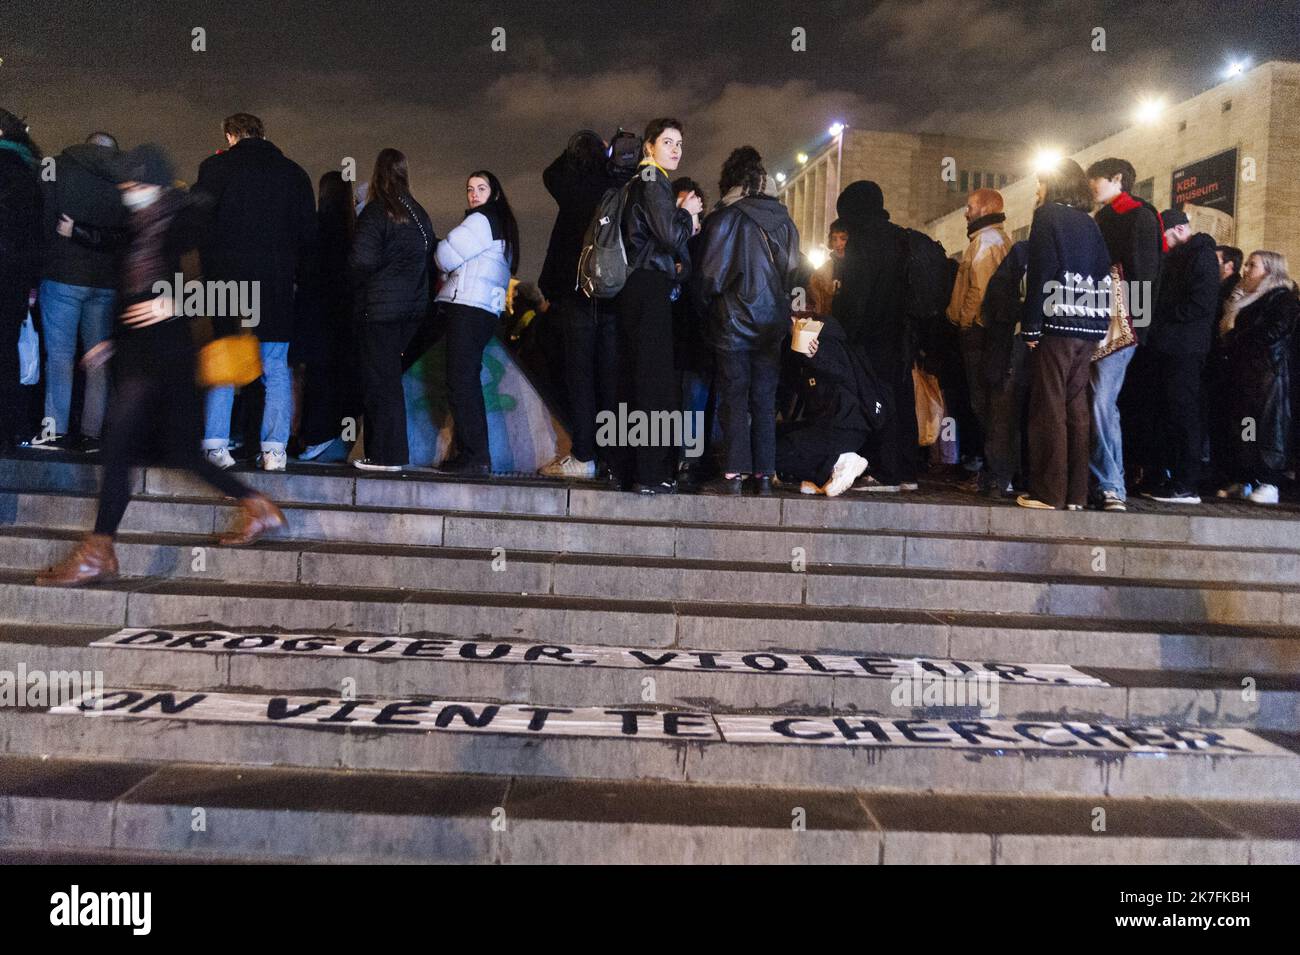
(780, 177)
(802, 157)
(1236, 68)
(817, 256)
(836, 129)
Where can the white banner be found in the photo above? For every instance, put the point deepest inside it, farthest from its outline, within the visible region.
(870, 666)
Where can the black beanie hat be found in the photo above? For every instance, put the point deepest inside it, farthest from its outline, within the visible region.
(147, 163)
(1173, 217)
(861, 200)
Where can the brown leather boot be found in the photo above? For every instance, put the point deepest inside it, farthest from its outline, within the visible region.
(92, 559)
(257, 515)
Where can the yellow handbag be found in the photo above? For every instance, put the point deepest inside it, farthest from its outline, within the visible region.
(231, 360)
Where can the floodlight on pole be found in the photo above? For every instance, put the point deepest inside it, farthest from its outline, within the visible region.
(802, 158)
(836, 129)
(1236, 68)
(780, 177)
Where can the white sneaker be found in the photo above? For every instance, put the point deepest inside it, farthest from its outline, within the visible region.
(1263, 494)
(1111, 501)
(809, 487)
(220, 457)
(365, 464)
(848, 468)
(272, 460)
(569, 467)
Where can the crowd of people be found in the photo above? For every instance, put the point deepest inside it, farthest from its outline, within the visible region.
(1112, 351)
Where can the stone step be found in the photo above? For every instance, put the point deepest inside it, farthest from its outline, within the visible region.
(100, 810)
(192, 520)
(574, 675)
(1222, 524)
(1076, 641)
(849, 751)
(671, 579)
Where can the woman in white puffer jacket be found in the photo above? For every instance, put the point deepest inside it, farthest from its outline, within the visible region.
(477, 259)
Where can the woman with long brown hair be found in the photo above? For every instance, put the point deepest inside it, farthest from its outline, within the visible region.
(390, 263)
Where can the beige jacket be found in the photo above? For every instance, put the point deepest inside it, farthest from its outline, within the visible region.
(987, 248)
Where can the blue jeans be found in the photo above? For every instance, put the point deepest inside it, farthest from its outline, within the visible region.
(1107, 459)
(66, 312)
(276, 413)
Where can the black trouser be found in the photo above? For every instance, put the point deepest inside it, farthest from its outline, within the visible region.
(746, 386)
(590, 365)
(647, 378)
(1005, 405)
(13, 404)
(1060, 423)
(154, 396)
(1139, 401)
(892, 450)
(1179, 420)
(379, 351)
(330, 390)
(469, 330)
(808, 450)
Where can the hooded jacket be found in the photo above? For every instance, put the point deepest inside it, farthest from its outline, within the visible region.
(871, 303)
(1188, 301)
(837, 387)
(83, 188)
(742, 283)
(655, 229)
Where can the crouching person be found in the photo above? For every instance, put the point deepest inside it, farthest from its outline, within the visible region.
(840, 404)
(153, 368)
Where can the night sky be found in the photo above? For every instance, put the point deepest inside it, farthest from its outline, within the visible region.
(337, 79)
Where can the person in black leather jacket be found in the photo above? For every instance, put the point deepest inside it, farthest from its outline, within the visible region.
(656, 226)
(742, 285)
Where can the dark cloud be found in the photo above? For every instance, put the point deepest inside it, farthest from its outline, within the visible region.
(335, 80)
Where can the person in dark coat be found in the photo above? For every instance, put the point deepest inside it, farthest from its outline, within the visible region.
(1187, 307)
(324, 338)
(742, 284)
(1004, 368)
(1122, 401)
(577, 180)
(839, 402)
(871, 305)
(391, 259)
(1217, 391)
(264, 231)
(78, 287)
(1257, 330)
(153, 364)
(1067, 312)
(20, 231)
(656, 227)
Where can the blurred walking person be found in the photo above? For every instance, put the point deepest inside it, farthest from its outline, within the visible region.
(153, 366)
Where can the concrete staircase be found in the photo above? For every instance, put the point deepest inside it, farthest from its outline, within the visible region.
(427, 670)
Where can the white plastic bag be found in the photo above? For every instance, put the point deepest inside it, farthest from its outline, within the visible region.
(29, 352)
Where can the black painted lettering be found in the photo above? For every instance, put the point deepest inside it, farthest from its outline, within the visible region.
(549, 650)
(469, 651)
(675, 724)
(540, 713)
(360, 646)
(388, 716)
(630, 718)
(167, 703)
(650, 661)
(425, 648)
(786, 728)
(972, 730)
(466, 715)
(277, 708)
(1026, 730)
(849, 731)
(775, 664)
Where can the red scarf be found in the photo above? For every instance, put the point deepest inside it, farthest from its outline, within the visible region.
(1125, 203)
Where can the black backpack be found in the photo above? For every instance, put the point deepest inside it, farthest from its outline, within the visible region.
(929, 279)
(602, 264)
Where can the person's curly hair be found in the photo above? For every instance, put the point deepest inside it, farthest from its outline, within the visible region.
(744, 167)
